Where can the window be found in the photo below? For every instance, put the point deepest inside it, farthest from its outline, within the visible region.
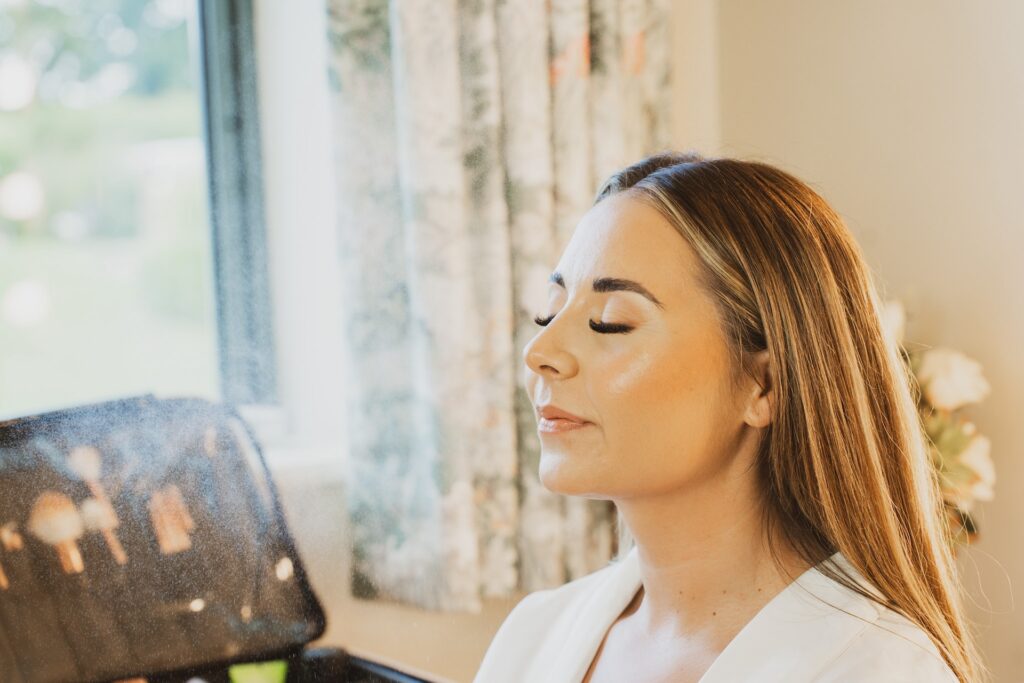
(131, 236)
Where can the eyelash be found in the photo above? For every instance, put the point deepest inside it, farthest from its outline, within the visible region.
(603, 328)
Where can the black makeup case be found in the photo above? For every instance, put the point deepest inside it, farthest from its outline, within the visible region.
(145, 538)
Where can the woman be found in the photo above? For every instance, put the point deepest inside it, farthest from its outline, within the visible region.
(712, 361)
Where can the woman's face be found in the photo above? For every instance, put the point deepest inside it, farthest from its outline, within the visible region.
(661, 410)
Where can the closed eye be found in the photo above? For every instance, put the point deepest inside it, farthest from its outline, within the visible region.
(603, 328)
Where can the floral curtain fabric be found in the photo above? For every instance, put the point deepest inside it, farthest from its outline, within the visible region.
(470, 137)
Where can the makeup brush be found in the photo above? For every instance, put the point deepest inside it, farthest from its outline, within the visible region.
(210, 441)
(171, 520)
(54, 519)
(10, 539)
(87, 463)
(98, 515)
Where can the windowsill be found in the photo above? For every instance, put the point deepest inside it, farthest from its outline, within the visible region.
(289, 456)
(304, 464)
(269, 422)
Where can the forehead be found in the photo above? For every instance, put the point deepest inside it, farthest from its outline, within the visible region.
(625, 237)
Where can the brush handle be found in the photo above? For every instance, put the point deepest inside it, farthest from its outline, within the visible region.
(116, 549)
(70, 557)
(96, 489)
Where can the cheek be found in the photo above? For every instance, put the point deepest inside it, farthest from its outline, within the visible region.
(650, 385)
(660, 408)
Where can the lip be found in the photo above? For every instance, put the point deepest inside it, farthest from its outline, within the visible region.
(554, 420)
(553, 412)
(558, 426)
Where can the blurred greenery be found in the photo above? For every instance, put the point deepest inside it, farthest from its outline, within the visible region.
(81, 155)
(120, 248)
(75, 40)
(102, 338)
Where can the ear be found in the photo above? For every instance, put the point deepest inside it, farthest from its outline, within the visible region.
(761, 396)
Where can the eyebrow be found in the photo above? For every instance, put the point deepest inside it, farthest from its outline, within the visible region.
(613, 284)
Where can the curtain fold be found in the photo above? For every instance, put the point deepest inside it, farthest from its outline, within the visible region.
(470, 137)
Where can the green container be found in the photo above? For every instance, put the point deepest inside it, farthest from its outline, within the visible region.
(264, 672)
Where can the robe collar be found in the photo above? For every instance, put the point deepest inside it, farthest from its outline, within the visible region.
(795, 635)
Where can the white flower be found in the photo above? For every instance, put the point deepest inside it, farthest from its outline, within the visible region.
(894, 319)
(950, 379)
(978, 459)
(959, 497)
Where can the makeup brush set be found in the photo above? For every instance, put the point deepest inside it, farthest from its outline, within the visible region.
(144, 538)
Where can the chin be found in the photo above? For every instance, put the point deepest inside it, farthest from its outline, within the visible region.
(567, 476)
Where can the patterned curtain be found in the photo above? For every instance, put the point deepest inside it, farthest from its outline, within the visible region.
(470, 137)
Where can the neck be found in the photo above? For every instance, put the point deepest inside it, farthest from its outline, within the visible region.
(705, 562)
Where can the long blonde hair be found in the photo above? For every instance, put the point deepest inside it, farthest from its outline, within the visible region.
(844, 466)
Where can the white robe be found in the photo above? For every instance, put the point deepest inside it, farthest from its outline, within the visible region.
(552, 636)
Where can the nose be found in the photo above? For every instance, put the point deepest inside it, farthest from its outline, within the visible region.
(546, 355)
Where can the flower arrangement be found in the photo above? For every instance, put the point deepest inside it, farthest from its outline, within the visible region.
(948, 381)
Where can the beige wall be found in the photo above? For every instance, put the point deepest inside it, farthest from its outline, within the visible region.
(909, 117)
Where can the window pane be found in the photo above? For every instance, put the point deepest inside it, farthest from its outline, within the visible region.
(105, 273)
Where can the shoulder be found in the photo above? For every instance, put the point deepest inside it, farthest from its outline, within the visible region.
(892, 649)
